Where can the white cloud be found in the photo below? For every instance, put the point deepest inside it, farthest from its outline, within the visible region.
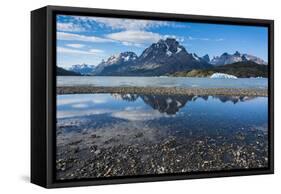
(132, 32)
(80, 105)
(75, 45)
(76, 51)
(123, 24)
(77, 37)
(134, 37)
(139, 38)
(204, 39)
(132, 44)
(128, 38)
(96, 51)
(179, 39)
(195, 38)
(69, 27)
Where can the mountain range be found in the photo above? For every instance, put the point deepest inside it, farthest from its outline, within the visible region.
(82, 69)
(63, 72)
(226, 58)
(165, 57)
(117, 64)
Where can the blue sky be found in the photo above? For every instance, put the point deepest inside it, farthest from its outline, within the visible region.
(88, 40)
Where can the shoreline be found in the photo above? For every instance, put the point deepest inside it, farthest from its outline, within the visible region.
(128, 148)
(162, 90)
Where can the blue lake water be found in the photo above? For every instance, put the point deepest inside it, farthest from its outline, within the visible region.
(191, 111)
(161, 82)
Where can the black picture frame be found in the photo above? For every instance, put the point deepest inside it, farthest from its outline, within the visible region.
(43, 94)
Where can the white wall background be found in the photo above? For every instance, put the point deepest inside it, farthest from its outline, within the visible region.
(15, 95)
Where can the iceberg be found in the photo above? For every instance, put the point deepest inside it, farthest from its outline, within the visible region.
(222, 76)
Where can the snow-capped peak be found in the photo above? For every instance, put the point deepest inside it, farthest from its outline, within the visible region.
(170, 45)
(83, 69)
(121, 57)
(179, 49)
(226, 58)
(195, 57)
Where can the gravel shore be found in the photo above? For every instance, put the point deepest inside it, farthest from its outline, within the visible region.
(163, 90)
(126, 149)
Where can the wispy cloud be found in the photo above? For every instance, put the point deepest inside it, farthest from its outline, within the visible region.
(76, 51)
(137, 115)
(178, 38)
(134, 37)
(85, 99)
(133, 32)
(121, 24)
(139, 38)
(75, 45)
(91, 23)
(96, 51)
(80, 105)
(204, 39)
(77, 37)
(219, 39)
(69, 27)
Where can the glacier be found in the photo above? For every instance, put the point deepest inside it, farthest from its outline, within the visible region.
(222, 76)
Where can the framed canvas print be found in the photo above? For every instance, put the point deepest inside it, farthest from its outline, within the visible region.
(125, 96)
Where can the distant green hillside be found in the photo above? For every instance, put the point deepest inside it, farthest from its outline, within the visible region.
(239, 69)
(64, 72)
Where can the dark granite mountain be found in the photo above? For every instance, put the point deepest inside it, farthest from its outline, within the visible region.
(226, 58)
(167, 56)
(63, 72)
(161, 58)
(206, 58)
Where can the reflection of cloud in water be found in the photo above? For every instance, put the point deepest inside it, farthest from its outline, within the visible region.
(128, 113)
(160, 105)
(133, 108)
(137, 115)
(78, 98)
(77, 113)
(80, 105)
(234, 99)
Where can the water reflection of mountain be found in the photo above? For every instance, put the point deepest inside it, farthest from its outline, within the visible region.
(166, 104)
(234, 99)
(171, 104)
(127, 97)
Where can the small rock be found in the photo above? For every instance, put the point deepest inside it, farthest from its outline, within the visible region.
(97, 152)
